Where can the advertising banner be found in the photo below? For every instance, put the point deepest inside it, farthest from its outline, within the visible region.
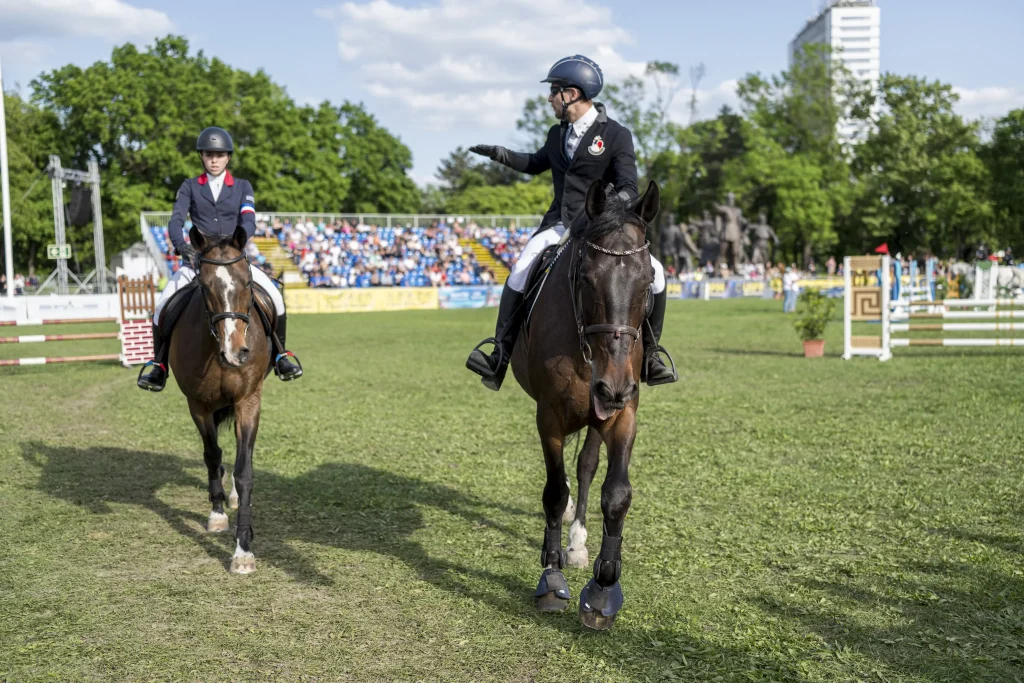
(482, 296)
(361, 299)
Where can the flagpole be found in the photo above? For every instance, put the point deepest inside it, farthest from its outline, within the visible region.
(5, 194)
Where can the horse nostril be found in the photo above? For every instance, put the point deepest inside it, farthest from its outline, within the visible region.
(243, 354)
(602, 390)
(628, 393)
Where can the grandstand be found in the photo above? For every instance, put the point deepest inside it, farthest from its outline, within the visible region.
(348, 252)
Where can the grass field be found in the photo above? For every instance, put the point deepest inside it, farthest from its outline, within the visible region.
(792, 519)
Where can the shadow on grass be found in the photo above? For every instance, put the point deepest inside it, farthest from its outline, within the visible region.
(355, 507)
(950, 621)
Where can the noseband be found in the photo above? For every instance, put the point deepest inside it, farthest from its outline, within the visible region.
(214, 318)
(575, 280)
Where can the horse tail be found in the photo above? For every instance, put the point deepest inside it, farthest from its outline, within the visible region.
(223, 416)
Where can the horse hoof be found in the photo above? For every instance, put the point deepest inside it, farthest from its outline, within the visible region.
(596, 621)
(217, 523)
(552, 594)
(550, 602)
(243, 564)
(233, 500)
(600, 605)
(570, 512)
(579, 559)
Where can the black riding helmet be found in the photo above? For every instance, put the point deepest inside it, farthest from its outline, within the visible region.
(214, 139)
(579, 72)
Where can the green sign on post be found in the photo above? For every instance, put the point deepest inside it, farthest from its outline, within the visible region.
(58, 251)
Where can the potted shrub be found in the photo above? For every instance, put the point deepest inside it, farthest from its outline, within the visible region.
(816, 311)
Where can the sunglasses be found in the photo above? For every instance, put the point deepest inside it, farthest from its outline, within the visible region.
(556, 89)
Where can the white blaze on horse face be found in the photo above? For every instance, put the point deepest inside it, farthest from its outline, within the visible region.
(234, 329)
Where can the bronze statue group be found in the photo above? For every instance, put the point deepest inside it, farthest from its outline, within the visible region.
(725, 241)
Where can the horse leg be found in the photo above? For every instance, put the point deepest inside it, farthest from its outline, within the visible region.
(552, 592)
(247, 422)
(218, 521)
(586, 468)
(602, 599)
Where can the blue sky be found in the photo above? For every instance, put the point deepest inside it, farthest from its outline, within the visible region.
(444, 73)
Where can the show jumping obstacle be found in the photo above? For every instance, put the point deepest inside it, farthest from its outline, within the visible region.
(866, 302)
(135, 331)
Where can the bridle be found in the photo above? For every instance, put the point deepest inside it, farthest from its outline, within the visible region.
(575, 280)
(214, 318)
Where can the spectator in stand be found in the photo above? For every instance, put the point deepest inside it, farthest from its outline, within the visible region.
(830, 266)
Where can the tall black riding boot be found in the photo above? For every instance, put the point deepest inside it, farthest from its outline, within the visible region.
(492, 368)
(657, 371)
(286, 368)
(156, 378)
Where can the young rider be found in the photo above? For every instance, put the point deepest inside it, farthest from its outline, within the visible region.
(585, 147)
(217, 203)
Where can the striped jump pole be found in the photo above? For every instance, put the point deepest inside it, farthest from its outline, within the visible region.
(35, 338)
(33, 322)
(1009, 341)
(65, 359)
(957, 327)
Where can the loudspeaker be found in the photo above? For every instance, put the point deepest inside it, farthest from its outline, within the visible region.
(80, 207)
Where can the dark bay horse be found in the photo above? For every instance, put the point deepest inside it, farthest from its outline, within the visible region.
(580, 360)
(220, 355)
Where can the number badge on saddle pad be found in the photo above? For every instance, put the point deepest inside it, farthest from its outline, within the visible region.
(597, 146)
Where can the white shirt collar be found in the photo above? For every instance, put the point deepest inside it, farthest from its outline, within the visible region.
(584, 122)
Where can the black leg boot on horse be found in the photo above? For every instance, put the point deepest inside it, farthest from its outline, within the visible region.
(155, 379)
(286, 364)
(492, 368)
(656, 371)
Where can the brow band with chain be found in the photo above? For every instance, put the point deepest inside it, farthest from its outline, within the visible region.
(619, 253)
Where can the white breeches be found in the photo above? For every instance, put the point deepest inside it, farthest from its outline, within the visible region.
(185, 275)
(541, 241)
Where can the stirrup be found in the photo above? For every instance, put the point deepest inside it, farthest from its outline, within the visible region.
(659, 349)
(294, 358)
(142, 370)
(493, 341)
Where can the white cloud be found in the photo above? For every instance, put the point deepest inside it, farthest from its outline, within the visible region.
(709, 101)
(24, 20)
(471, 62)
(988, 102)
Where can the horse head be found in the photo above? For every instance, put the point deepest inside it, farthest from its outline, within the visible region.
(613, 276)
(224, 276)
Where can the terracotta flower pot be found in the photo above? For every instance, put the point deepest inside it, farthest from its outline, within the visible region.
(814, 348)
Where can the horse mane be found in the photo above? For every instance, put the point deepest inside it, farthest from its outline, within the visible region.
(214, 240)
(617, 211)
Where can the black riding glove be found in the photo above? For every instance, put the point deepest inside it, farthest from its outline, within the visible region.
(495, 153)
(188, 255)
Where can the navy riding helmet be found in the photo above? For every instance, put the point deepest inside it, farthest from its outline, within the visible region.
(579, 72)
(214, 139)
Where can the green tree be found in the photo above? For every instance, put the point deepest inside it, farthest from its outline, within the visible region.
(520, 198)
(31, 138)
(535, 122)
(1004, 156)
(924, 184)
(794, 167)
(375, 163)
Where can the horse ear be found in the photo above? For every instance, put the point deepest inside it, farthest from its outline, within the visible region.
(650, 203)
(596, 199)
(196, 238)
(240, 238)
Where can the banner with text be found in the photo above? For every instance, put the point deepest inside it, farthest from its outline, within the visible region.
(361, 299)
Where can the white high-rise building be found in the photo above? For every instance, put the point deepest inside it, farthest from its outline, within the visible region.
(853, 29)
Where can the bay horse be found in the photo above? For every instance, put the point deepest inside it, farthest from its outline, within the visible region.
(219, 361)
(580, 359)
